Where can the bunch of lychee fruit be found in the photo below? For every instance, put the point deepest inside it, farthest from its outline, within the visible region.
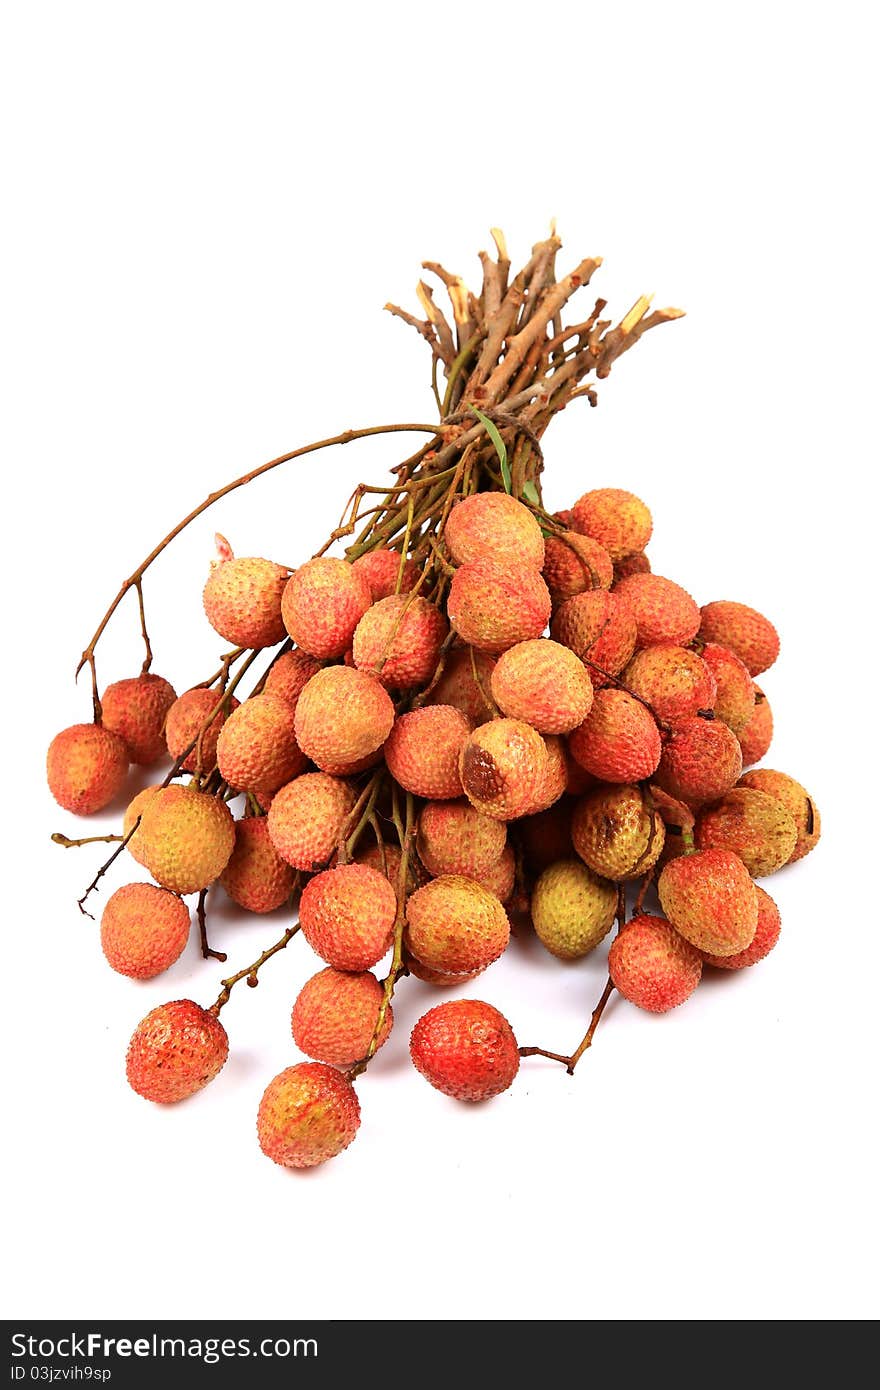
(420, 767)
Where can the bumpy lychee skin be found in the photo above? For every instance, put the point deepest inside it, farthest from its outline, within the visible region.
(185, 720)
(335, 1014)
(459, 686)
(466, 1049)
(306, 818)
(323, 603)
(500, 878)
(546, 837)
(136, 808)
(175, 1051)
(679, 823)
(493, 526)
(424, 749)
(675, 682)
(735, 689)
(290, 674)
(701, 761)
(744, 631)
(796, 800)
(455, 838)
(398, 641)
(308, 1113)
(503, 767)
(381, 569)
(653, 966)
(455, 926)
(85, 768)
(347, 916)
(257, 748)
(710, 900)
(765, 938)
(386, 861)
(753, 825)
(493, 606)
(637, 563)
(572, 909)
(617, 519)
(619, 740)
(242, 600)
(544, 684)
(554, 782)
(143, 930)
(256, 877)
(573, 564)
(664, 611)
(600, 628)
(756, 737)
(186, 838)
(342, 716)
(617, 833)
(135, 709)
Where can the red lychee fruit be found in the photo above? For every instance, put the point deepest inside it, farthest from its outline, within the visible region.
(335, 1014)
(664, 611)
(546, 837)
(256, 877)
(381, 569)
(494, 526)
(308, 1113)
(753, 825)
(711, 900)
(323, 603)
(572, 909)
(652, 966)
(744, 631)
(600, 628)
(673, 681)
(306, 819)
(503, 769)
(85, 768)
(617, 832)
(135, 709)
(175, 1051)
(424, 748)
(143, 930)
(617, 519)
(544, 684)
(257, 748)
(242, 600)
(756, 737)
(460, 686)
(637, 563)
(495, 606)
(342, 716)
(573, 564)
(619, 740)
(701, 761)
(185, 838)
(185, 723)
(289, 675)
(796, 800)
(466, 1049)
(455, 838)
(765, 938)
(455, 926)
(398, 641)
(735, 697)
(347, 916)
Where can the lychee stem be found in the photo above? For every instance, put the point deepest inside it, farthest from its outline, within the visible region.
(208, 952)
(251, 972)
(148, 658)
(67, 843)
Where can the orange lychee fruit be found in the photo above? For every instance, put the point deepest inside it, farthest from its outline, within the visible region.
(619, 740)
(796, 800)
(134, 810)
(765, 938)
(175, 1051)
(465, 682)
(342, 716)
(554, 781)
(675, 682)
(186, 723)
(494, 526)
(242, 601)
(347, 916)
(308, 1113)
(711, 901)
(466, 1049)
(381, 569)
(135, 709)
(335, 1015)
(289, 674)
(455, 838)
(744, 631)
(323, 603)
(544, 684)
(756, 737)
(701, 761)
(495, 606)
(455, 926)
(85, 767)
(503, 768)
(424, 749)
(600, 628)
(663, 610)
(574, 564)
(617, 832)
(755, 826)
(257, 748)
(735, 693)
(185, 838)
(143, 930)
(652, 966)
(306, 819)
(500, 878)
(615, 518)
(572, 909)
(255, 876)
(398, 640)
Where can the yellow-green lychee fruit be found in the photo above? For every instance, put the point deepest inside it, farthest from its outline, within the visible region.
(242, 599)
(85, 767)
(796, 800)
(255, 876)
(543, 683)
(186, 838)
(615, 518)
(755, 826)
(572, 908)
(135, 709)
(494, 526)
(617, 832)
(454, 926)
(257, 749)
(322, 605)
(342, 716)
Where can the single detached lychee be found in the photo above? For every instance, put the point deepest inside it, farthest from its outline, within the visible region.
(466, 1049)
(765, 938)
(755, 826)
(493, 526)
(495, 606)
(652, 965)
(796, 800)
(175, 1051)
(255, 876)
(455, 926)
(701, 761)
(619, 740)
(347, 916)
(289, 674)
(308, 1113)
(306, 819)
(384, 573)
(546, 837)
(675, 682)
(398, 640)
(711, 900)
(185, 838)
(744, 631)
(455, 838)
(257, 748)
(135, 709)
(503, 767)
(617, 519)
(544, 684)
(756, 737)
(323, 603)
(735, 693)
(85, 767)
(572, 909)
(187, 725)
(663, 610)
(143, 930)
(617, 832)
(342, 716)
(465, 682)
(242, 599)
(573, 564)
(600, 628)
(424, 749)
(335, 1015)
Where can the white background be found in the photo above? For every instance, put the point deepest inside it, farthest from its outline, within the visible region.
(207, 206)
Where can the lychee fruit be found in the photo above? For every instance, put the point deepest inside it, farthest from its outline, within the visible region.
(424, 749)
(255, 876)
(85, 767)
(186, 724)
(347, 916)
(701, 761)
(323, 603)
(143, 930)
(308, 1113)
(135, 809)
(385, 859)
(381, 569)
(440, 978)
(679, 822)
(495, 606)
(455, 838)
(546, 837)
(398, 640)
(257, 748)
(796, 800)
(289, 674)
(554, 781)
(663, 610)
(600, 628)
(652, 966)
(735, 697)
(185, 838)
(755, 826)
(617, 832)
(711, 901)
(619, 740)
(242, 600)
(335, 1015)
(455, 926)
(494, 526)
(637, 563)
(675, 682)
(615, 518)
(466, 1049)
(500, 877)
(544, 684)
(342, 716)
(765, 938)
(135, 709)
(306, 819)
(503, 767)
(573, 564)
(460, 686)
(756, 737)
(744, 631)
(175, 1051)
(572, 909)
